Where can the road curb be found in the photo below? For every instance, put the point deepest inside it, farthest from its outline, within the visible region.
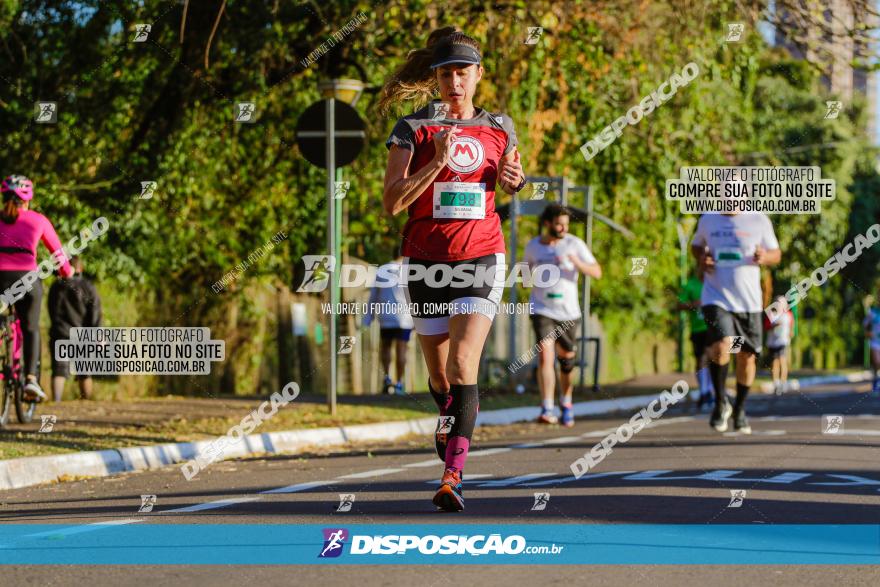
(24, 472)
(796, 384)
(28, 471)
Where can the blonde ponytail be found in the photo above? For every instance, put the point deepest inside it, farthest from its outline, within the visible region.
(415, 80)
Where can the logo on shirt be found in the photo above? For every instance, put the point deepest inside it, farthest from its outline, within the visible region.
(467, 155)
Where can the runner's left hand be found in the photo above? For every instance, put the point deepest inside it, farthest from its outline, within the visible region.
(511, 173)
(760, 255)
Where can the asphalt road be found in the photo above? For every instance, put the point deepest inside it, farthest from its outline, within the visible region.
(677, 471)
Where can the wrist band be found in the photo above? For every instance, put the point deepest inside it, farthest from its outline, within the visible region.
(521, 185)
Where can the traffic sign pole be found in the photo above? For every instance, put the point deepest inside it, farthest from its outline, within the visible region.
(318, 145)
(682, 281)
(330, 126)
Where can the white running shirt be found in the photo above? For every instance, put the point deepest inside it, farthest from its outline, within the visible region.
(779, 334)
(735, 285)
(873, 320)
(559, 301)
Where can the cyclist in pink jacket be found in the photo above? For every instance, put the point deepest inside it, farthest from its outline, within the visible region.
(21, 229)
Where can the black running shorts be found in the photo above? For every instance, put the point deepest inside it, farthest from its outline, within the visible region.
(565, 333)
(722, 323)
(436, 290)
(778, 352)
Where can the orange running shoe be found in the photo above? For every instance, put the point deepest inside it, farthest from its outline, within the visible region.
(449, 497)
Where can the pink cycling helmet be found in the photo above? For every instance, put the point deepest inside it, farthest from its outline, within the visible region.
(19, 185)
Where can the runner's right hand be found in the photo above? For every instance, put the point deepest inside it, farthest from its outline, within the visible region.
(442, 142)
(707, 263)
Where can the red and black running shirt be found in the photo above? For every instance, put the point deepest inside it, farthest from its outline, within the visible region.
(475, 157)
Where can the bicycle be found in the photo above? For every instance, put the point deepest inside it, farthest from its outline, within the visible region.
(11, 367)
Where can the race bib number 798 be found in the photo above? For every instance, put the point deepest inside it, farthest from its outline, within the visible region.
(459, 200)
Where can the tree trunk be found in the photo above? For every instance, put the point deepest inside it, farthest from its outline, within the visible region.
(289, 368)
(227, 382)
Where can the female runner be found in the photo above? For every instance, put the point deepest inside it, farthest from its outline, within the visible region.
(443, 164)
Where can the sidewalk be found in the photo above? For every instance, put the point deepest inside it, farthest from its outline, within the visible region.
(146, 434)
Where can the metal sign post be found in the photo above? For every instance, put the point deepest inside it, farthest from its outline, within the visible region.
(337, 142)
(514, 213)
(330, 125)
(585, 324)
(682, 280)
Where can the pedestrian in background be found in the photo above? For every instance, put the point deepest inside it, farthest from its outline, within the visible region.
(73, 303)
(395, 322)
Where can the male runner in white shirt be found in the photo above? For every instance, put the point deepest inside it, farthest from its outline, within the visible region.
(731, 249)
(556, 312)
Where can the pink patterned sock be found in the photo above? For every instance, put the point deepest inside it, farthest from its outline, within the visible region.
(456, 452)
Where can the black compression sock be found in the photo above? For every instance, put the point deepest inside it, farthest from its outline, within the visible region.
(719, 377)
(464, 407)
(741, 392)
(442, 401)
(439, 398)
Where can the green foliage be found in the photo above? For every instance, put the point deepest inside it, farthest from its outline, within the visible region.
(153, 111)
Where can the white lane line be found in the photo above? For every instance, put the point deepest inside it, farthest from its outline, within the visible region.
(222, 503)
(298, 487)
(666, 422)
(85, 528)
(795, 418)
(567, 478)
(373, 473)
(653, 424)
(515, 480)
(428, 463)
(563, 440)
(489, 451)
(598, 433)
(852, 432)
(850, 480)
(527, 445)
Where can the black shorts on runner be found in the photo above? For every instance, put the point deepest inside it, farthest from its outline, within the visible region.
(776, 352)
(566, 333)
(722, 323)
(432, 300)
(395, 334)
(699, 343)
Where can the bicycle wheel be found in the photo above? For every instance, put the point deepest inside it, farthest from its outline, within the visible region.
(7, 392)
(23, 409)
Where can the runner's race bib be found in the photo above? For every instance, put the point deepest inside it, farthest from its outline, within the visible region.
(728, 257)
(459, 200)
(553, 299)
